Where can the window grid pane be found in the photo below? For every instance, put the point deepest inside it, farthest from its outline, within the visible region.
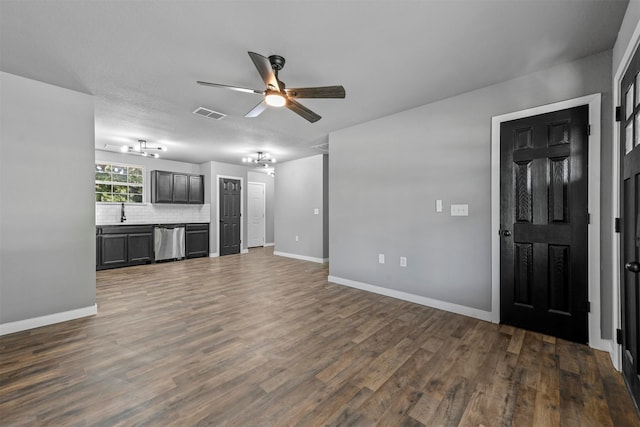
(119, 183)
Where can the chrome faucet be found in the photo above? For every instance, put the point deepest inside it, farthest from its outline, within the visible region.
(123, 218)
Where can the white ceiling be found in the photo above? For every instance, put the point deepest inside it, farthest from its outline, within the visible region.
(141, 59)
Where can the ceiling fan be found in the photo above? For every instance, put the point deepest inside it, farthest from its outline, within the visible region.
(276, 94)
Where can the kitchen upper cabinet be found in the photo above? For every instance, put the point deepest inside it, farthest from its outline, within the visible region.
(161, 187)
(173, 187)
(196, 189)
(180, 188)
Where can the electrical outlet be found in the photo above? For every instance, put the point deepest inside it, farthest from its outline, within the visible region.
(459, 210)
(403, 261)
(381, 258)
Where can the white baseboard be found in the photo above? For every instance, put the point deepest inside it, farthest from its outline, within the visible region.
(405, 296)
(302, 257)
(49, 319)
(213, 255)
(269, 244)
(600, 344)
(615, 354)
(244, 251)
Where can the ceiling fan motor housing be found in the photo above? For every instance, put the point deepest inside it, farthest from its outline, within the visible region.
(277, 62)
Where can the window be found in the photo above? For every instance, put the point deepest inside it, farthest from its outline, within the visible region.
(119, 183)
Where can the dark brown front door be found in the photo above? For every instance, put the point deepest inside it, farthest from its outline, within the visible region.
(630, 242)
(229, 216)
(543, 217)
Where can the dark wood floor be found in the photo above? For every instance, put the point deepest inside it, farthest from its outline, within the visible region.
(258, 340)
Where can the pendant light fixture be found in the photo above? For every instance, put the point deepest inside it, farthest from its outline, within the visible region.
(143, 149)
(262, 159)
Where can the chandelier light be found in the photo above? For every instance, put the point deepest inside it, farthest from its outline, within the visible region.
(143, 149)
(262, 159)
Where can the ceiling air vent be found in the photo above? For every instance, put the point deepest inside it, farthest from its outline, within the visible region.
(323, 148)
(205, 112)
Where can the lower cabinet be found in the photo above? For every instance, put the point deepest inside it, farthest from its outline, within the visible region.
(120, 246)
(125, 245)
(197, 240)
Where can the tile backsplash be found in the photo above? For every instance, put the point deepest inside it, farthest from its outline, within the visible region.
(107, 213)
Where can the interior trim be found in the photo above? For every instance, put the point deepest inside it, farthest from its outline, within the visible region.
(593, 261)
(242, 213)
(49, 319)
(418, 299)
(301, 257)
(634, 44)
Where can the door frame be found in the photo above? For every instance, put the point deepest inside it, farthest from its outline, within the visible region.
(264, 211)
(634, 43)
(243, 250)
(593, 255)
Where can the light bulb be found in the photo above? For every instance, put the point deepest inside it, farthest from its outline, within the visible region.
(124, 148)
(275, 99)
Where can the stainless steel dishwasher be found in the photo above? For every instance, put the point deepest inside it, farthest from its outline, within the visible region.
(168, 242)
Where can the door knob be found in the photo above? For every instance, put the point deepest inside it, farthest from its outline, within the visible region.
(506, 233)
(633, 266)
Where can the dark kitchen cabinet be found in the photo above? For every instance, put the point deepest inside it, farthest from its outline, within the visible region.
(180, 188)
(196, 189)
(197, 240)
(173, 187)
(120, 246)
(113, 250)
(140, 247)
(161, 187)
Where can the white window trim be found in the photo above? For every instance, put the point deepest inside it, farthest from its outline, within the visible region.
(126, 165)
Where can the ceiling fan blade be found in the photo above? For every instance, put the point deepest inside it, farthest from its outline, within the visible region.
(302, 111)
(257, 110)
(236, 88)
(266, 72)
(316, 92)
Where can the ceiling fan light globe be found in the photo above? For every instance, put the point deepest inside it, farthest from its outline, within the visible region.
(275, 99)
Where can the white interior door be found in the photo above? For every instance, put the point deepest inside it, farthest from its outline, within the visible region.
(256, 211)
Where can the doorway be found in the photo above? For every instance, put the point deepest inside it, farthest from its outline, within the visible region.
(256, 207)
(230, 215)
(543, 218)
(629, 152)
(594, 101)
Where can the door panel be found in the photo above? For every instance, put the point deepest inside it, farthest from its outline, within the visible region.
(543, 205)
(256, 212)
(230, 216)
(630, 239)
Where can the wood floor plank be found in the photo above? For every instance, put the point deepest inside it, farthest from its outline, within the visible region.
(263, 340)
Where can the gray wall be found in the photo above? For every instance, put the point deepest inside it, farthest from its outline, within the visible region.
(385, 176)
(301, 189)
(628, 26)
(211, 170)
(269, 184)
(47, 234)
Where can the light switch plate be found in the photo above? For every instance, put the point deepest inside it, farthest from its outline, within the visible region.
(381, 258)
(316, 211)
(403, 261)
(438, 205)
(459, 210)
